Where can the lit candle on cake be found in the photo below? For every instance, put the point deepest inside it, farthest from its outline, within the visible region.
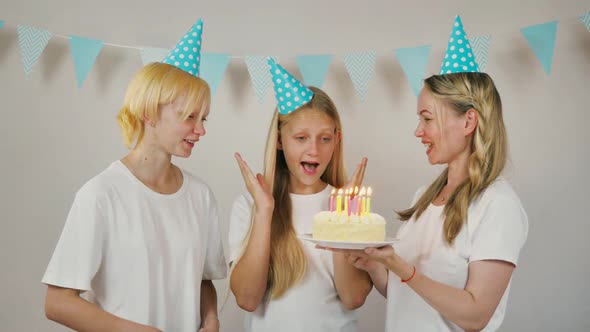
(332, 200)
(361, 207)
(346, 207)
(369, 192)
(355, 201)
(339, 201)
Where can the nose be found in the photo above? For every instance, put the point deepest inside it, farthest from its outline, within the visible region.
(312, 149)
(419, 130)
(200, 128)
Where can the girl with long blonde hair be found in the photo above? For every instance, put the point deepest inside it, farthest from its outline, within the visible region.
(284, 284)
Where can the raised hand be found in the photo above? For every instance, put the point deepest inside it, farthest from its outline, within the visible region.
(256, 185)
(358, 175)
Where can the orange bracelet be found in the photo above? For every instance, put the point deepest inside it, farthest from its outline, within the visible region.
(412, 276)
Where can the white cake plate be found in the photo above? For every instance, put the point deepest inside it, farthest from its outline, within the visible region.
(348, 245)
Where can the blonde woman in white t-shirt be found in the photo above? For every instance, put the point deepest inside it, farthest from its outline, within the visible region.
(284, 284)
(460, 242)
(143, 235)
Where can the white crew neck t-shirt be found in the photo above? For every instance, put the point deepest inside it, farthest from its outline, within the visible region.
(311, 305)
(496, 229)
(142, 254)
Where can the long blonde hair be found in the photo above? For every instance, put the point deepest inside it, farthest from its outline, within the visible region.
(489, 147)
(158, 84)
(288, 263)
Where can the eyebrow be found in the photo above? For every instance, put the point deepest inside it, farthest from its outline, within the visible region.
(422, 111)
(321, 131)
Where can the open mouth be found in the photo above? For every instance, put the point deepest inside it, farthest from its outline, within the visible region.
(191, 142)
(309, 168)
(428, 147)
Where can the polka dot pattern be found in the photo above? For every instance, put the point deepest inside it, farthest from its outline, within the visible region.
(187, 53)
(290, 93)
(459, 57)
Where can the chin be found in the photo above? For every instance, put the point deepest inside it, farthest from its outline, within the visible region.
(183, 154)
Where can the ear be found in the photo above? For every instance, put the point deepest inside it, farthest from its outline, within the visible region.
(471, 118)
(148, 122)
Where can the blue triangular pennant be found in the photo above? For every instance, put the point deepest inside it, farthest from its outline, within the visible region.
(481, 46)
(541, 39)
(413, 61)
(84, 51)
(32, 42)
(212, 69)
(259, 74)
(314, 68)
(586, 20)
(152, 54)
(360, 67)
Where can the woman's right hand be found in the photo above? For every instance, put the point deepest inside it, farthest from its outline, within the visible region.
(256, 185)
(365, 264)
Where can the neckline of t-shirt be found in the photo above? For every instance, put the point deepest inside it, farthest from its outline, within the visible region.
(437, 207)
(147, 189)
(311, 196)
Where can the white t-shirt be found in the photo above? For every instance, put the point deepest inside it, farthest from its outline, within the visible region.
(496, 228)
(313, 304)
(142, 254)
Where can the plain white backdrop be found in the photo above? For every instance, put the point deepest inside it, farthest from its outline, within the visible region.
(55, 136)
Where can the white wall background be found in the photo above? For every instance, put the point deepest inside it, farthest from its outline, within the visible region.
(54, 136)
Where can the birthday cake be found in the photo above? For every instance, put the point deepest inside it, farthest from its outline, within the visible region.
(349, 219)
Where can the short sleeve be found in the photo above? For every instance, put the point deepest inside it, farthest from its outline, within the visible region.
(79, 251)
(239, 224)
(500, 229)
(215, 264)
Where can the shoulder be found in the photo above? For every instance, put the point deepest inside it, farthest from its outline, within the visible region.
(421, 190)
(499, 194)
(195, 180)
(103, 184)
(197, 185)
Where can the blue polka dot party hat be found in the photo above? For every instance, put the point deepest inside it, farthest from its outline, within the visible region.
(290, 93)
(459, 57)
(187, 53)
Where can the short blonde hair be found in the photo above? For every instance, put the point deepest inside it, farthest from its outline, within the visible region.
(155, 85)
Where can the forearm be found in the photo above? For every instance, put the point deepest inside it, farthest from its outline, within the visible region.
(208, 304)
(353, 285)
(66, 307)
(248, 280)
(380, 277)
(455, 304)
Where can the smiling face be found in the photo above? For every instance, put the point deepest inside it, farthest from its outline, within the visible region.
(173, 134)
(308, 140)
(444, 132)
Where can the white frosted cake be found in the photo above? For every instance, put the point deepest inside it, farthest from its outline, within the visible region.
(334, 226)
